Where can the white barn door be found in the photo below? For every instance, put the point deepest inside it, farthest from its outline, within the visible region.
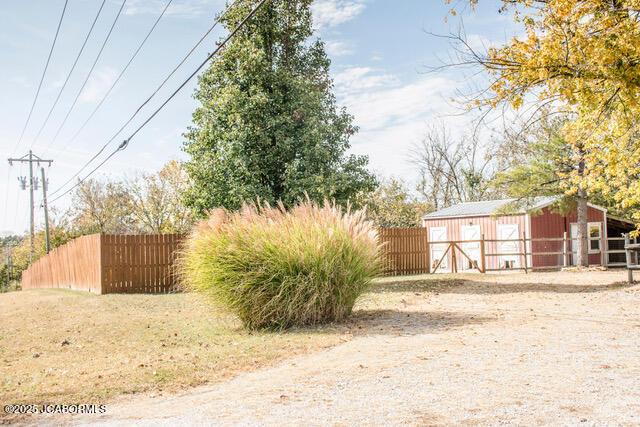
(438, 234)
(509, 232)
(472, 249)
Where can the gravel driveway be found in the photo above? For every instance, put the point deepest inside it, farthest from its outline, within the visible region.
(537, 349)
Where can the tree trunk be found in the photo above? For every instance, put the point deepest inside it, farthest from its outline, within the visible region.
(582, 238)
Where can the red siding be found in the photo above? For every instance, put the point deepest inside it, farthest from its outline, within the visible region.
(549, 224)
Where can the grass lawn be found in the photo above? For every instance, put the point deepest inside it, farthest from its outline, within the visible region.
(60, 346)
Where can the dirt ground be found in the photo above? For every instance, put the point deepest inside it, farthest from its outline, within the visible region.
(537, 349)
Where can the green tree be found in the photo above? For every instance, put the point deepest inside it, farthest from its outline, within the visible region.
(268, 125)
(391, 205)
(536, 161)
(155, 200)
(542, 163)
(101, 207)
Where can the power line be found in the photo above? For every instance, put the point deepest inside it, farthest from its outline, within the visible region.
(155, 92)
(44, 72)
(113, 85)
(126, 142)
(75, 101)
(73, 67)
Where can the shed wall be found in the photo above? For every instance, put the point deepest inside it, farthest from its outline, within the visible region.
(550, 224)
(488, 227)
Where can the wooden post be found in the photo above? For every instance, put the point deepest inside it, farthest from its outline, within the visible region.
(483, 264)
(524, 248)
(627, 251)
(428, 251)
(454, 262)
(565, 250)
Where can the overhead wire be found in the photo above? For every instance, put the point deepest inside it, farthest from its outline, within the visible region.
(73, 67)
(44, 73)
(115, 82)
(149, 98)
(126, 142)
(93, 66)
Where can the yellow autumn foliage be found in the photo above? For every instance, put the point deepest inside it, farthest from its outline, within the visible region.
(583, 57)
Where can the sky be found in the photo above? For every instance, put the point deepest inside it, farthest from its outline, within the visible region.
(381, 52)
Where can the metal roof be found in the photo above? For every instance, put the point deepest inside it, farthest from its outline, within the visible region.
(488, 207)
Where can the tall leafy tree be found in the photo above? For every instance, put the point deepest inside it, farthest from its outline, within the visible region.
(155, 200)
(268, 125)
(539, 162)
(392, 205)
(101, 207)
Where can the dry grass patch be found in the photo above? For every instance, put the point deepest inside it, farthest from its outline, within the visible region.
(61, 346)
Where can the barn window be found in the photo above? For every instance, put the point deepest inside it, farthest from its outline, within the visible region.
(595, 234)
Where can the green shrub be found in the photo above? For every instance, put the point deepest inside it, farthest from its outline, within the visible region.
(276, 268)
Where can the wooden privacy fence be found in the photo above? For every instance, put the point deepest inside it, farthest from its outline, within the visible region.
(73, 266)
(106, 264)
(405, 250)
(139, 264)
(146, 264)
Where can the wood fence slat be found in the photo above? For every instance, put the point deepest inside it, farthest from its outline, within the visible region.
(405, 250)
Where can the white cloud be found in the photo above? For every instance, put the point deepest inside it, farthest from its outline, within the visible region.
(185, 8)
(338, 48)
(393, 115)
(416, 101)
(98, 85)
(359, 79)
(479, 43)
(330, 13)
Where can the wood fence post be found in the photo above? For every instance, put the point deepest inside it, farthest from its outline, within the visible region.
(524, 247)
(483, 263)
(565, 250)
(428, 250)
(627, 252)
(454, 262)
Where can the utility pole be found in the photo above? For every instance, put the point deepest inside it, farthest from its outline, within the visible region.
(33, 185)
(45, 184)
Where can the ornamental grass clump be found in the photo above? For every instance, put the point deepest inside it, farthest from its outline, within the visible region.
(278, 268)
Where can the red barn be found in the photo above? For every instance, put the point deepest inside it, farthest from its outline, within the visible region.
(546, 237)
